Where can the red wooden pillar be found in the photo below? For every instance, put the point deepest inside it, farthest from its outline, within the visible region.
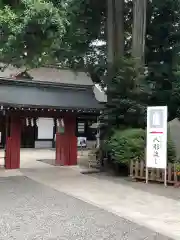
(66, 144)
(72, 140)
(13, 144)
(60, 150)
(8, 153)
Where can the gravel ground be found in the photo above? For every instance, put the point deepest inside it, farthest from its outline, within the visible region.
(29, 211)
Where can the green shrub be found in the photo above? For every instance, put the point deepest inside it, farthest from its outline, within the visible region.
(130, 144)
(126, 145)
(171, 152)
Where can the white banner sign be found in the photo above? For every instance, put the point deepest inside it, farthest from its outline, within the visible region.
(45, 128)
(156, 147)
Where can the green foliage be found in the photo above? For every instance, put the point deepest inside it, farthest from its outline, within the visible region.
(127, 96)
(31, 31)
(171, 152)
(57, 31)
(130, 144)
(40, 32)
(86, 25)
(63, 32)
(177, 166)
(127, 145)
(162, 53)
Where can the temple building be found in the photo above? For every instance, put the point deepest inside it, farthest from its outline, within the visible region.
(46, 108)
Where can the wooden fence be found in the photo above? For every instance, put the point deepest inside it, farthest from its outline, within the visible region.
(138, 171)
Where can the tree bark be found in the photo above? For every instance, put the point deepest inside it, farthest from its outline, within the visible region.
(119, 28)
(139, 30)
(115, 32)
(110, 32)
(115, 29)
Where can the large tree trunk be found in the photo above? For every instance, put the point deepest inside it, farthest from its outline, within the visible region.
(110, 32)
(139, 30)
(115, 30)
(119, 28)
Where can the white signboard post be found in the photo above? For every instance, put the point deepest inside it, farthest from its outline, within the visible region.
(156, 144)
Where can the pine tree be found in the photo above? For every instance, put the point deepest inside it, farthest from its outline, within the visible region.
(126, 105)
(162, 50)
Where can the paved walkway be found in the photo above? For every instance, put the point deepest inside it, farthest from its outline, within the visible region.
(30, 211)
(158, 213)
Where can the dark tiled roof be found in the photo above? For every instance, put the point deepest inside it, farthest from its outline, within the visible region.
(47, 96)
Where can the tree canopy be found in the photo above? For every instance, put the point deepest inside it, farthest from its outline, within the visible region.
(37, 32)
(161, 80)
(68, 33)
(162, 53)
